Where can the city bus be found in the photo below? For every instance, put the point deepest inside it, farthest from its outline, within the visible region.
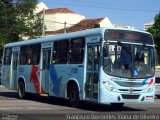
(157, 81)
(157, 76)
(104, 65)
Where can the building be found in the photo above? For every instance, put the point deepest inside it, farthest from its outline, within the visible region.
(39, 7)
(59, 18)
(84, 24)
(123, 26)
(62, 20)
(148, 25)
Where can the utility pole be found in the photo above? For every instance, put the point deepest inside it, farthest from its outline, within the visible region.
(65, 29)
(43, 23)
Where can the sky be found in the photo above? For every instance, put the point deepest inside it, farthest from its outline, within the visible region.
(130, 12)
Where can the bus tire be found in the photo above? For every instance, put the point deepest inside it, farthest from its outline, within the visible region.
(158, 96)
(117, 105)
(21, 90)
(74, 96)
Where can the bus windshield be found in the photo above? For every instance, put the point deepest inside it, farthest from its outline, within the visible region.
(128, 60)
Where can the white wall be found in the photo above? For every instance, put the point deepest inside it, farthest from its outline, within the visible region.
(56, 21)
(106, 23)
(39, 7)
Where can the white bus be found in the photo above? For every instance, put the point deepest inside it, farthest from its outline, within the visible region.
(104, 65)
(157, 81)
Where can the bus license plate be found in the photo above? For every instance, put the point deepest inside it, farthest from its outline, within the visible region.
(157, 89)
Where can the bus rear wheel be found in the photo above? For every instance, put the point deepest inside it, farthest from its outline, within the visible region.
(74, 96)
(21, 90)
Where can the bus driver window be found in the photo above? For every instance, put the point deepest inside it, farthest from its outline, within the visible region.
(107, 62)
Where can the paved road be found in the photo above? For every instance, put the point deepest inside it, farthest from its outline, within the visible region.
(51, 108)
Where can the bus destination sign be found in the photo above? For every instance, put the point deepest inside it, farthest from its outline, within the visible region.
(128, 36)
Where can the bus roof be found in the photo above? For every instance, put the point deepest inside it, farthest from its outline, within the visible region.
(88, 32)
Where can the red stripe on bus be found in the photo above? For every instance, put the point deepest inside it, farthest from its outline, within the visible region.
(35, 80)
(150, 82)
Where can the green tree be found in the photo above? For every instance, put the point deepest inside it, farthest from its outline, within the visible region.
(17, 20)
(155, 31)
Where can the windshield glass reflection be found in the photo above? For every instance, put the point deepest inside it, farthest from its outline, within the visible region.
(130, 61)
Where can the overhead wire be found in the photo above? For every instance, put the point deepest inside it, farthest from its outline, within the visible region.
(104, 7)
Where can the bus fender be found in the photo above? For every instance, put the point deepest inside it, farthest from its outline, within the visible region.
(71, 81)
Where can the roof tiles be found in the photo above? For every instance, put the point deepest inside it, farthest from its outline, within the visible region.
(82, 25)
(57, 10)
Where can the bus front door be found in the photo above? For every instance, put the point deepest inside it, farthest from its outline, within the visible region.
(14, 63)
(45, 69)
(92, 75)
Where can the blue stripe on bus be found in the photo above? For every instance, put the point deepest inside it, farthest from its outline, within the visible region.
(145, 81)
(55, 80)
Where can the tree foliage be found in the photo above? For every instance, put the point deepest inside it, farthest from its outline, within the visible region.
(155, 31)
(17, 20)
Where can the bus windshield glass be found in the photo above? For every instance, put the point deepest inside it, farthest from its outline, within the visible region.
(128, 60)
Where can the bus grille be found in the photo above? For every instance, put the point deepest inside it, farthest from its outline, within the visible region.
(124, 96)
(127, 90)
(129, 84)
(157, 80)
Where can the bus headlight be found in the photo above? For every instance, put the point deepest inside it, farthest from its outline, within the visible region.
(150, 88)
(108, 85)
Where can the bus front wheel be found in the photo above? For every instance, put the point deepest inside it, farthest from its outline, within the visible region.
(74, 96)
(21, 90)
(158, 96)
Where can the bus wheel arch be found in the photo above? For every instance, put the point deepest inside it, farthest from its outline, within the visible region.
(21, 88)
(73, 93)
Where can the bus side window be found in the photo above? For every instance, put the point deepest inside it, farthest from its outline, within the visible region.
(7, 56)
(30, 54)
(76, 51)
(24, 52)
(35, 54)
(60, 51)
(96, 57)
(107, 62)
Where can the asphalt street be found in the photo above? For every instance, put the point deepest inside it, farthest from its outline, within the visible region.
(52, 108)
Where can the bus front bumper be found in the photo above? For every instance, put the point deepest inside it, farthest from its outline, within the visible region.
(157, 90)
(107, 97)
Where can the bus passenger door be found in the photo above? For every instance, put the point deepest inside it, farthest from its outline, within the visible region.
(45, 69)
(92, 75)
(14, 63)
